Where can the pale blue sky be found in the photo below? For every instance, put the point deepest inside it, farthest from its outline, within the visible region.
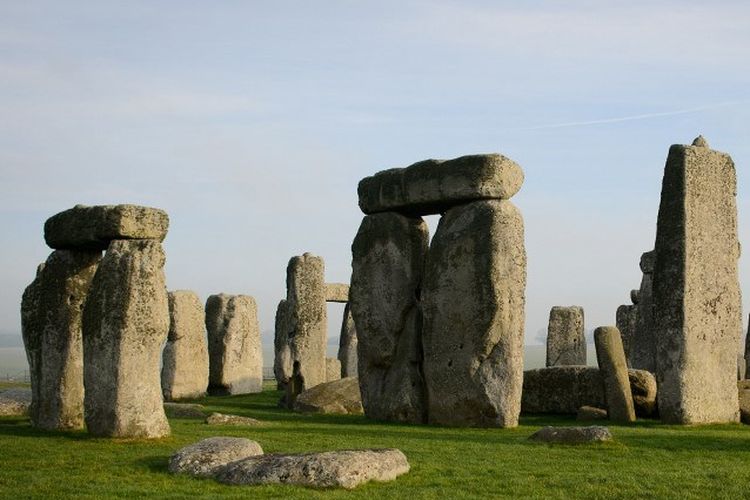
(251, 123)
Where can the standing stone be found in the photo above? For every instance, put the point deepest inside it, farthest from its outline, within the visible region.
(642, 347)
(388, 257)
(333, 369)
(348, 345)
(51, 312)
(696, 293)
(473, 304)
(614, 371)
(282, 361)
(234, 348)
(184, 372)
(626, 319)
(125, 324)
(566, 344)
(747, 350)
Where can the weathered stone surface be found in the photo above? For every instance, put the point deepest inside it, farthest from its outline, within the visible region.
(207, 456)
(234, 347)
(83, 227)
(184, 372)
(332, 469)
(614, 372)
(586, 413)
(626, 320)
(15, 402)
(643, 389)
(696, 293)
(333, 369)
(125, 324)
(51, 311)
(225, 419)
(743, 389)
(388, 256)
(741, 367)
(572, 435)
(184, 410)
(337, 397)
(473, 300)
(566, 344)
(747, 350)
(641, 345)
(282, 361)
(348, 345)
(434, 186)
(337, 292)
(635, 296)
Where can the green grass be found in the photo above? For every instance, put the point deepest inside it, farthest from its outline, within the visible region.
(646, 460)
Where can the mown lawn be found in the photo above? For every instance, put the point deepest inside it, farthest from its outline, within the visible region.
(647, 459)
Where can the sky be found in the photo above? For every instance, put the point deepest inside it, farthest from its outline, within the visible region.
(251, 123)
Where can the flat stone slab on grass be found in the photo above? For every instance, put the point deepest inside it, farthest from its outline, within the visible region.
(225, 419)
(184, 410)
(207, 456)
(338, 397)
(572, 435)
(591, 413)
(332, 469)
(15, 402)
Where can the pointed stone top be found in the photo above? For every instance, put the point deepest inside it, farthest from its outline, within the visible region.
(700, 142)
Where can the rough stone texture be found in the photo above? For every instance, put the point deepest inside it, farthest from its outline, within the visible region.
(473, 300)
(626, 320)
(337, 292)
(337, 397)
(207, 456)
(51, 311)
(743, 389)
(696, 293)
(747, 350)
(15, 402)
(332, 469)
(614, 372)
(635, 296)
(641, 350)
(282, 361)
(184, 372)
(333, 369)
(643, 389)
(741, 367)
(83, 227)
(566, 344)
(234, 347)
(586, 413)
(434, 186)
(125, 324)
(572, 435)
(224, 419)
(184, 410)
(348, 345)
(388, 256)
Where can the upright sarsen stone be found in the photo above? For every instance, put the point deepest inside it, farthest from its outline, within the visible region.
(614, 371)
(125, 323)
(696, 292)
(626, 319)
(642, 346)
(566, 344)
(388, 257)
(348, 345)
(282, 361)
(473, 301)
(234, 347)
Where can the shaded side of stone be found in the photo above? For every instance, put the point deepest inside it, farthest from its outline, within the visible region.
(566, 344)
(642, 347)
(626, 319)
(348, 345)
(282, 361)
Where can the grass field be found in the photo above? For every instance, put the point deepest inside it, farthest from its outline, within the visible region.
(646, 460)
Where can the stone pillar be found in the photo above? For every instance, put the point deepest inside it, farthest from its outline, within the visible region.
(747, 350)
(642, 351)
(234, 347)
(614, 372)
(696, 294)
(125, 324)
(388, 257)
(473, 303)
(333, 369)
(348, 345)
(626, 319)
(282, 361)
(566, 343)
(184, 372)
(51, 312)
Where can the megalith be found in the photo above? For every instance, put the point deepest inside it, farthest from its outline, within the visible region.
(566, 344)
(614, 372)
(282, 361)
(333, 369)
(625, 320)
(696, 294)
(348, 345)
(642, 347)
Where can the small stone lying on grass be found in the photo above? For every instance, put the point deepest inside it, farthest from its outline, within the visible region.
(15, 402)
(591, 413)
(336, 397)
(572, 435)
(225, 419)
(184, 410)
(205, 457)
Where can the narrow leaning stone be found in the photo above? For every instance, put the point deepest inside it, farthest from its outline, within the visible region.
(51, 325)
(388, 256)
(697, 305)
(614, 371)
(234, 347)
(642, 346)
(125, 323)
(566, 344)
(184, 372)
(282, 361)
(473, 303)
(348, 345)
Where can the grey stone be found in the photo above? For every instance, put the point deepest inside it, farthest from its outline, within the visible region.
(337, 292)
(697, 303)
(282, 361)
(572, 435)
(741, 367)
(626, 319)
(234, 347)
(747, 350)
(434, 186)
(51, 311)
(566, 344)
(635, 296)
(348, 345)
(338, 397)
(700, 142)
(226, 419)
(614, 372)
(586, 413)
(333, 369)
(83, 227)
(15, 402)
(125, 324)
(388, 256)
(184, 372)
(643, 388)
(641, 346)
(184, 410)
(207, 456)
(331, 469)
(743, 389)
(473, 300)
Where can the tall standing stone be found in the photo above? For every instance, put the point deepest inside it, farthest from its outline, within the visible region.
(642, 347)
(566, 344)
(125, 324)
(234, 346)
(473, 302)
(282, 361)
(51, 312)
(348, 345)
(696, 294)
(747, 351)
(614, 371)
(388, 257)
(626, 319)
(184, 372)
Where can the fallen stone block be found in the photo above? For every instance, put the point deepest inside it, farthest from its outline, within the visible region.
(572, 435)
(184, 410)
(205, 457)
(15, 402)
(225, 419)
(586, 413)
(337, 397)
